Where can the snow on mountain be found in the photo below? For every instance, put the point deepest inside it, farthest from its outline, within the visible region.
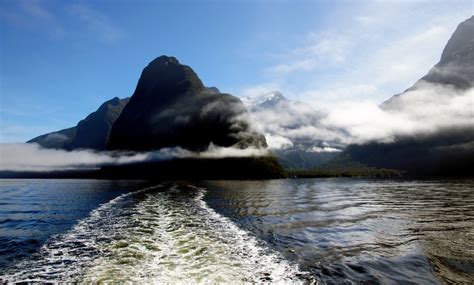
(267, 99)
(294, 130)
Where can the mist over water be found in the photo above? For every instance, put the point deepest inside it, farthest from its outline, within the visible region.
(306, 230)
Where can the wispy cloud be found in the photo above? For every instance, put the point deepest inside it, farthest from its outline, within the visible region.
(408, 58)
(257, 90)
(32, 15)
(321, 50)
(373, 50)
(96, 22)
(60, 20)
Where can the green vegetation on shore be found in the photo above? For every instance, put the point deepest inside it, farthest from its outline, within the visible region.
(359, 171)
(345, 166)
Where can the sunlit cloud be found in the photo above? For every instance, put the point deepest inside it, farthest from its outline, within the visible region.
(374, 50)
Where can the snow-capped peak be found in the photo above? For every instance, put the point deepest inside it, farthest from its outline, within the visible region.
(265, 99)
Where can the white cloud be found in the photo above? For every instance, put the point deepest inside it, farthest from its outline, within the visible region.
(36, 15)
(32, 157)
(35, 9)
(380, 46)
(327, 99)
(426, 110)
(278, 142)
(97, 22)
(32, 15)
(346, 69)
(324, 149)
(321, 51)
(288, 124)
(221, 152)
(409, 58)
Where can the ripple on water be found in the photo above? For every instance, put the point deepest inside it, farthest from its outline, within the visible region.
(357, 230)
(156, 235)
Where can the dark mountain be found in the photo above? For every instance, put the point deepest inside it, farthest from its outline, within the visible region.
(448, 151)
(171, 107)
(60, 139)
(445, 153)
(91, 132)
(456, 66)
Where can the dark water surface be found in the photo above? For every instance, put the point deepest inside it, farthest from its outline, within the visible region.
(305, 230)
(377, 231)
(33, 210)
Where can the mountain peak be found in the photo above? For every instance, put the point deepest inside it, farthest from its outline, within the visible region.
(165, 77)
(461, 41)
(264, 100)
(91, 132)
(164, 59)
(456, 66)
(171, 107)
(275, 95)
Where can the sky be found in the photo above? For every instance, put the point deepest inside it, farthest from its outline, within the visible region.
(59, 60)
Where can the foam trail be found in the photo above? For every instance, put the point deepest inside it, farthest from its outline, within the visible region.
(158, 235)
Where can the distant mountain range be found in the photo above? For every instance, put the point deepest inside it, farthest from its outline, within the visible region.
(171, 107)
(445, 151)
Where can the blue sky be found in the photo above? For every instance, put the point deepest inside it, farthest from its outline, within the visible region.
(61, 59)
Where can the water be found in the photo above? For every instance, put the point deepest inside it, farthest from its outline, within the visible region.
(299, 231)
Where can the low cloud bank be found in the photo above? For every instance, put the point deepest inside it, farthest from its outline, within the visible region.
(32, 157)
(424, 110)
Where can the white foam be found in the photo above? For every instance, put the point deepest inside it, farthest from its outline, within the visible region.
(148, 236)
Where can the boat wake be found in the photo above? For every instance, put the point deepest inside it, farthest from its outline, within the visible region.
(165, 233)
